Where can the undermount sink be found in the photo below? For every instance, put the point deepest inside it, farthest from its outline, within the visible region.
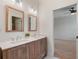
(13, 43)
(22, 40)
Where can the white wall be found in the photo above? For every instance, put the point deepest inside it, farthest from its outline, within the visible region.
(46, 18)
(5, 36)
(65, 27)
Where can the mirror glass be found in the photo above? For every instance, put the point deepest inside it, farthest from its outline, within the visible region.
(14, 19)
(32, 23)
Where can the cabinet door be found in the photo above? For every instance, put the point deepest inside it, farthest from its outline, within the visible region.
(43, 47)
(27, 53)
(4, 54)
(37, 49)
(31, 50)
(12, 53)
(21, 52)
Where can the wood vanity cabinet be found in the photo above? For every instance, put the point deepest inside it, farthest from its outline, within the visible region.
(33, 50)
(43, 48)
(19, 52)
(38, 49)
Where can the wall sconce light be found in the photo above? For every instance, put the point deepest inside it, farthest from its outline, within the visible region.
(13, 1)
(32, 11)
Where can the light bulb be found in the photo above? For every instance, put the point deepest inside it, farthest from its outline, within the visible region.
(35, 12)
(13, 1)
(73, 13)
(20, 4)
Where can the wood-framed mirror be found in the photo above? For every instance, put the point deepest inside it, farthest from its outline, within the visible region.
(32, 23)
(14, 20)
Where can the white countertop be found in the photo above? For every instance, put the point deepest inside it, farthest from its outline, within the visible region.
(10, 44)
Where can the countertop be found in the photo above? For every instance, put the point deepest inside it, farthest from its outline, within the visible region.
(10, 44)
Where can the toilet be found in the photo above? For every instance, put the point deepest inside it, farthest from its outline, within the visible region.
(51, 58)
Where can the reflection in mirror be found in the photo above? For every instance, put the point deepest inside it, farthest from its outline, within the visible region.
(16, 23)
(32, 23)
(14, 20)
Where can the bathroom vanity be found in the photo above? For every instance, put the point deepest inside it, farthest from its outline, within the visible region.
(31, 48)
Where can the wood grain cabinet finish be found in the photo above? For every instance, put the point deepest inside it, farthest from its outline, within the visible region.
(33, 50)
(43, 48)
(38, 49)
(12, 53)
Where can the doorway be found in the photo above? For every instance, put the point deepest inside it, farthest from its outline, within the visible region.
(65, 32)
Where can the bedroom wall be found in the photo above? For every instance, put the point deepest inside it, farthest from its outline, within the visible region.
(65, 27)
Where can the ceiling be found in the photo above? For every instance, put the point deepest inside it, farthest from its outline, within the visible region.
(64, 11)
(34, 3)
